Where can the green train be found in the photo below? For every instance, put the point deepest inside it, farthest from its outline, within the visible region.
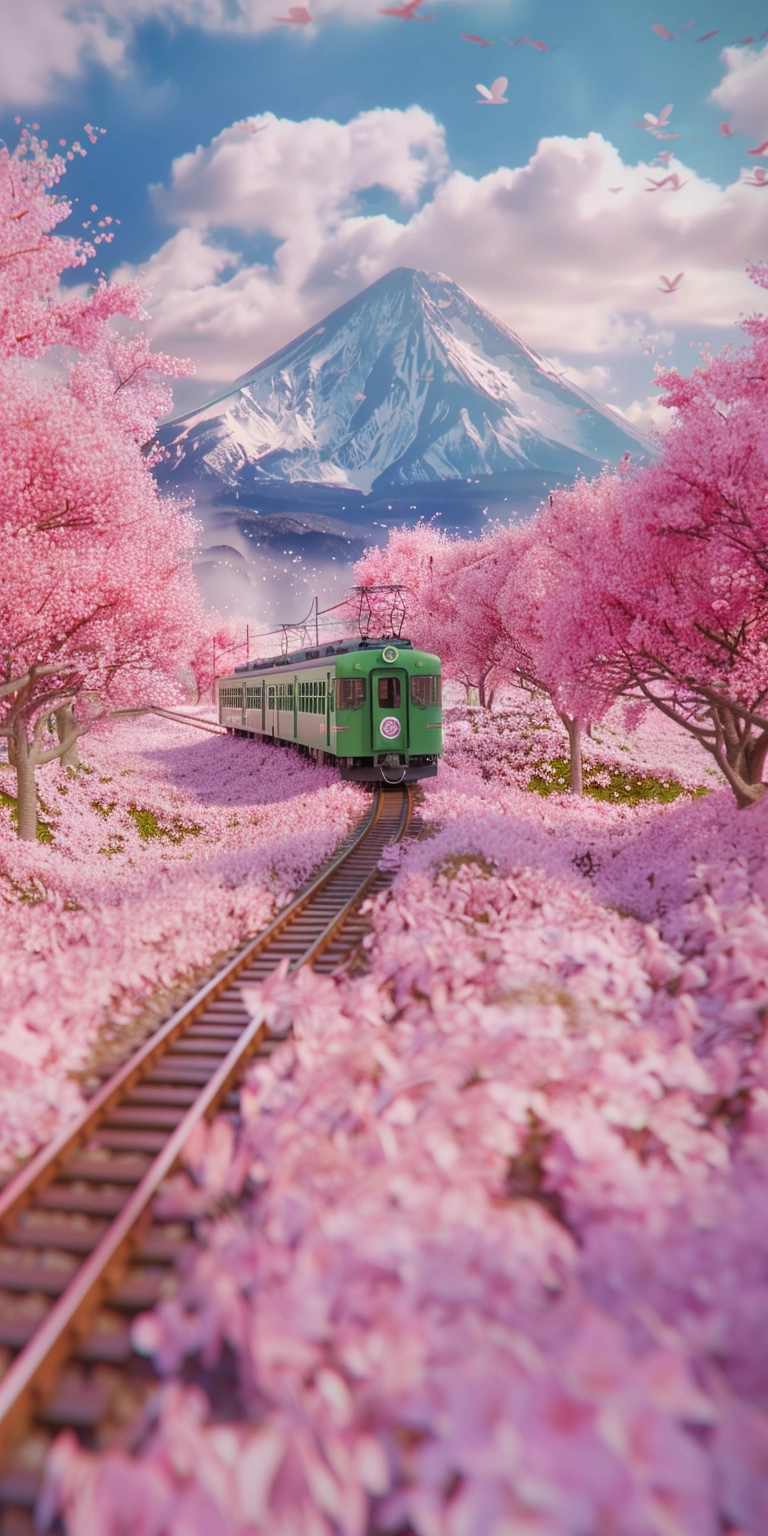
(371, 706)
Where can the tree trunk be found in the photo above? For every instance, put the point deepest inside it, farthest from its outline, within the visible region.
(25, 786)
(485, 694)
(573, 727)
(473, 696)
(66, 725)
(744, 755)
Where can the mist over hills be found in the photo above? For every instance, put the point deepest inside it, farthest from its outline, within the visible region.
(409, 401)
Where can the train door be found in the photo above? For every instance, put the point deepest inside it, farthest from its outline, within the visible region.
(389, 705)
(328, 703)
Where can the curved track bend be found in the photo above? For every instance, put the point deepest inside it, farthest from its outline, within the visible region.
(80, 1252)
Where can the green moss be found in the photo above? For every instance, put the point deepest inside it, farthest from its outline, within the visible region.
(623, 787)
(148, 826)
(104, 810)
(44, 830)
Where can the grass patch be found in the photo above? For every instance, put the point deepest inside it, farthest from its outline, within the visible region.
(601, 782)
(104, 810)
(148, 826)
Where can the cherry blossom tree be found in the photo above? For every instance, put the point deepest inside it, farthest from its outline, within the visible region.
(664, 596)
(220, 646)
(476, 603)
(412, 559)
(534, 578)
(449, 588)
(98, 602)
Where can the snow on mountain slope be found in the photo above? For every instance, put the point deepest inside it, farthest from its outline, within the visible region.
(409, 383)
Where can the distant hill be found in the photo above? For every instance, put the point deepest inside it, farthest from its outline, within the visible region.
(409, 401)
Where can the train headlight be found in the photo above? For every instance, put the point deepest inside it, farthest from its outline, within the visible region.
(390, 653)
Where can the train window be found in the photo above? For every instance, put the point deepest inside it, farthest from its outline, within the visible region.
(389, 692)
(350, 692)
(425, 690)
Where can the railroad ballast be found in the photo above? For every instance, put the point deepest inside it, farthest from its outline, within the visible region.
(374, 707)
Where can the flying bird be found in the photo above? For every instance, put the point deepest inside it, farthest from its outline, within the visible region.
(670, 36)
(583, 412)
(759, 177)
(495, 96)
(707, 35)
(471, 37)
(406, 12)
(727, 131)
(530, 42)
(673, 181)
(298, 16)
(654, 125)
(672, 284)
(762, 149)
(657, 122)
(663, 157)
(615, 189)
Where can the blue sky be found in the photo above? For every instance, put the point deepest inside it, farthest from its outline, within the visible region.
(374, 153)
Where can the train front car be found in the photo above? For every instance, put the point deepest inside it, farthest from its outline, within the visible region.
(372, 706)
(387, 721)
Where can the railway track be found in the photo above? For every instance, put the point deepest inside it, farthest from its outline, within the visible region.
(80, 1250)
(212, 726)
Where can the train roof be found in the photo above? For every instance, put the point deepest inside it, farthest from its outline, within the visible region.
(313, 653)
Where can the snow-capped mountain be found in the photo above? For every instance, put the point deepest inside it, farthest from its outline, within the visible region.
(409, 383)
(409, 401)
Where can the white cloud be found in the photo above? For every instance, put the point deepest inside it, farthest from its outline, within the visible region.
(293, 179)
(47, 41)
(594, 378)
(647, 414)
(545, 246)
(743, 91)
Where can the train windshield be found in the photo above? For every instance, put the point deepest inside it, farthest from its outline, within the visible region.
(425, 690)
(389, 692)
(350, 692)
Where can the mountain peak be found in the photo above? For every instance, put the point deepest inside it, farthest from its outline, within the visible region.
(409, 383)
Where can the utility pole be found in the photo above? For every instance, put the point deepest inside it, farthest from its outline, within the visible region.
(317, 627)
(213, 674)
(247, 642)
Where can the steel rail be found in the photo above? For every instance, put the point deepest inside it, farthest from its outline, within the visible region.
(209, 1037)
(32, 1373)
(42, 1167)
(213, 726)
